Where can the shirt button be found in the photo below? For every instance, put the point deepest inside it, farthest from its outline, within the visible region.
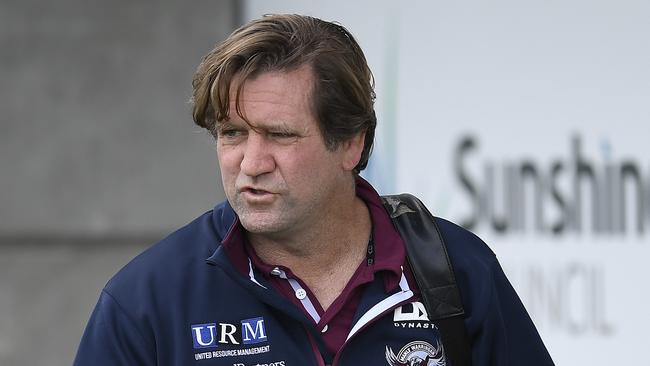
(324, 329)
(301, 294)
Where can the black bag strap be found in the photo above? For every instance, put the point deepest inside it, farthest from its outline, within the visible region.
(427, 256)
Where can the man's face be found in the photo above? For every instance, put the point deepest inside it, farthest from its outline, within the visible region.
(277, 173)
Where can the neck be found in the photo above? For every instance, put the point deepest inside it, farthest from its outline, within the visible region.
(326, 256)
(326, 259)
(343, 234)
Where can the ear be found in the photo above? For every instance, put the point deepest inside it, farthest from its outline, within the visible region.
(352, 150)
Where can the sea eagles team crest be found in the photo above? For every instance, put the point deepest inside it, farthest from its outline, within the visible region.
(417, 353)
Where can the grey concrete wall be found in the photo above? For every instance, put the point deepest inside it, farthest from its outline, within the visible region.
(47, 293)
(99, 157)
(96, 134)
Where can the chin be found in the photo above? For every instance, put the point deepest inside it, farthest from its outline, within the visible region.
(261, 224)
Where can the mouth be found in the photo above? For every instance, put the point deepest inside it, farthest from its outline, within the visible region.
(255, 191)
(256, 195)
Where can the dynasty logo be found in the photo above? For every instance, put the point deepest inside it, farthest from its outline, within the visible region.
(413, 315)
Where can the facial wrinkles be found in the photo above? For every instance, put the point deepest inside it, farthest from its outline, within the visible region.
(270, 118)
(265, 154)
(278, 150)
(276, 93)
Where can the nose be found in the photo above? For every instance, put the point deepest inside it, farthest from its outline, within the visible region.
(258, 158)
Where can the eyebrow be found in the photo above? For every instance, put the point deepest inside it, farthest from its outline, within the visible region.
(279, 126)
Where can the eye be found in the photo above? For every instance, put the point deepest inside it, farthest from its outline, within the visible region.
(230, 132)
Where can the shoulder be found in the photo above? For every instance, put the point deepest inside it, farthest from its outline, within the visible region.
(177, 258)
(472, 261)
(148, 300)
(465, 249)
(495, 318)
(477, 271)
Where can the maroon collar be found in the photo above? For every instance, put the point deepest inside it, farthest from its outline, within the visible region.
(389, 247)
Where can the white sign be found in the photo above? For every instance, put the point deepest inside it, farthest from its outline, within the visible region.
(529, 123)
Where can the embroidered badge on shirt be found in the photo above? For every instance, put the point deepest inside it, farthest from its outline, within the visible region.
(232, 337)
(412, 315)
(417, 353)
(411, 312)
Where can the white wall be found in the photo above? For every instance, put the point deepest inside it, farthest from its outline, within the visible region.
(538, 87)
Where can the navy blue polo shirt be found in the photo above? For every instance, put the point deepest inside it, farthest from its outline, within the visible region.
(184, 301)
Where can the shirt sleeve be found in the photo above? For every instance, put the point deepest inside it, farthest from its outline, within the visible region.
(111, 338)
(507, 335)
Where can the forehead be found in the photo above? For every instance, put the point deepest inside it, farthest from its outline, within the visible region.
(273, 94)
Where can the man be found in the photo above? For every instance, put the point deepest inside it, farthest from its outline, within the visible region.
(305, 263)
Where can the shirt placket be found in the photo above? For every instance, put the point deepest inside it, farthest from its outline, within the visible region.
(301, 292)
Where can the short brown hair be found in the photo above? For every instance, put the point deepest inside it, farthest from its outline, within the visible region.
(343, 94)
